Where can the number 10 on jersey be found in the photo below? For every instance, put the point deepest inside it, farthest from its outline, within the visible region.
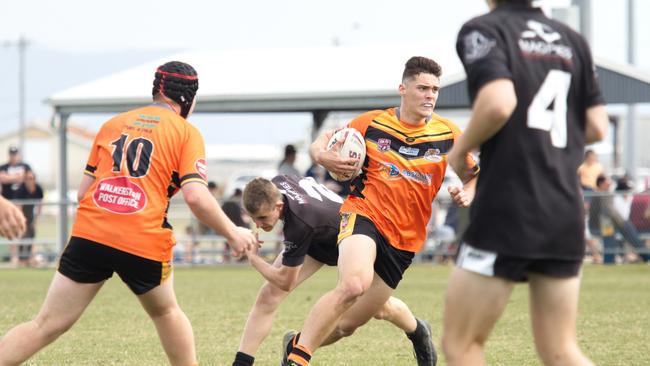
(138, 155)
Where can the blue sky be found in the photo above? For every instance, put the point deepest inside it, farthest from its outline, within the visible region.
(75, 41)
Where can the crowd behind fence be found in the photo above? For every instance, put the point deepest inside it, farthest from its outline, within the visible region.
(617, 230)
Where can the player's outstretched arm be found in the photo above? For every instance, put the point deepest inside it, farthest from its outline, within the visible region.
(330, 159)
(597, 124)
(207, 210)
(12, 221)
(492, 108)
(282, 277)
(86, 182)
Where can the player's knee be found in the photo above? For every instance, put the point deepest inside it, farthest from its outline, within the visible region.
(52, 328)
(455, 347)
(163, 311)
(352, 288)
(384, 313)
(270, 296)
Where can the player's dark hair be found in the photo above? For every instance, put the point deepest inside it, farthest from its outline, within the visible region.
(518, 2)
(177, 81)
(417, 65)
(258, 193)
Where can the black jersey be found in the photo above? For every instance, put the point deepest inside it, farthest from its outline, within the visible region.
(311, 220)
(527, 202)
(9, 190)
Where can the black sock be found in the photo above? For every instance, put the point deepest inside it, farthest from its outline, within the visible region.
(419, 329)
(243, 359)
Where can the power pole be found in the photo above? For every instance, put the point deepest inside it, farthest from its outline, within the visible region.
(21, 44)
(584, 7)
(630, 143)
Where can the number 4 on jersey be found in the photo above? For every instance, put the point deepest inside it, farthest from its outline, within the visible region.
(548, 110)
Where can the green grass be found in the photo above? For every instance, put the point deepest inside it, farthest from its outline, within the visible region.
(614, 320)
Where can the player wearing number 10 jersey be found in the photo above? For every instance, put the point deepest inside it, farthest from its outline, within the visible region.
(536, 102)
(138, 161)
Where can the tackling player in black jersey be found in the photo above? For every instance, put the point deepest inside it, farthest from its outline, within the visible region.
(310, 213)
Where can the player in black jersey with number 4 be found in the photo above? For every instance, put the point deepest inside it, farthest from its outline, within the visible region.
(310, 213)
(536, 103)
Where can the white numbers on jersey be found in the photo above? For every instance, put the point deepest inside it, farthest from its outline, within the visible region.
(554, 90)
(317, 190)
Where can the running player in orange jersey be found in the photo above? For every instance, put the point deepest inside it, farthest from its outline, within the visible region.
(383, 220)
(139, 160)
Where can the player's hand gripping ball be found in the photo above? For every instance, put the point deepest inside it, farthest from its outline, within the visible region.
(353, 146)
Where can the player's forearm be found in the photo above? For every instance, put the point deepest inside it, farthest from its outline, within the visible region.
(493, 107)
(319, 146)
(86, 182)
(207, 210)
(596, 125)
(270, 273)
(209, 213)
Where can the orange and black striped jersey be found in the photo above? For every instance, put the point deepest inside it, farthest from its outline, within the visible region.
(139, 160)
(403, 171)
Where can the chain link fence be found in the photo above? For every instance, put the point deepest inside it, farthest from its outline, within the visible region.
(617, 230)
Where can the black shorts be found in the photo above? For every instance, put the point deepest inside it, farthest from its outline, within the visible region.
(86, 261)
(514, 269)
(391, 263)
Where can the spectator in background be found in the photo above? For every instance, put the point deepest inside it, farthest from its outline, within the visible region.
(12, 174)
(605, 219)
(286, 166)
(589, 170)
(233, 209)
(640, 211)
(622, 203)
(29, 190)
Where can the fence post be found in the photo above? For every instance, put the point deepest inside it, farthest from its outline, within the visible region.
(63, 182)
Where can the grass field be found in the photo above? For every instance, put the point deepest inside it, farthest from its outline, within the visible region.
(614, 320)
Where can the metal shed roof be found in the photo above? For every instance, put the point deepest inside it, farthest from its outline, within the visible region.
(307, 79)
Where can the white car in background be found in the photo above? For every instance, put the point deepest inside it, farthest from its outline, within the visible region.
(240, 178)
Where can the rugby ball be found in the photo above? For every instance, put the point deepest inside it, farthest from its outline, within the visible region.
(354, 146)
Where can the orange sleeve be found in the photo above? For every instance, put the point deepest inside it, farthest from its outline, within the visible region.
(93, 158)
(192, 164)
